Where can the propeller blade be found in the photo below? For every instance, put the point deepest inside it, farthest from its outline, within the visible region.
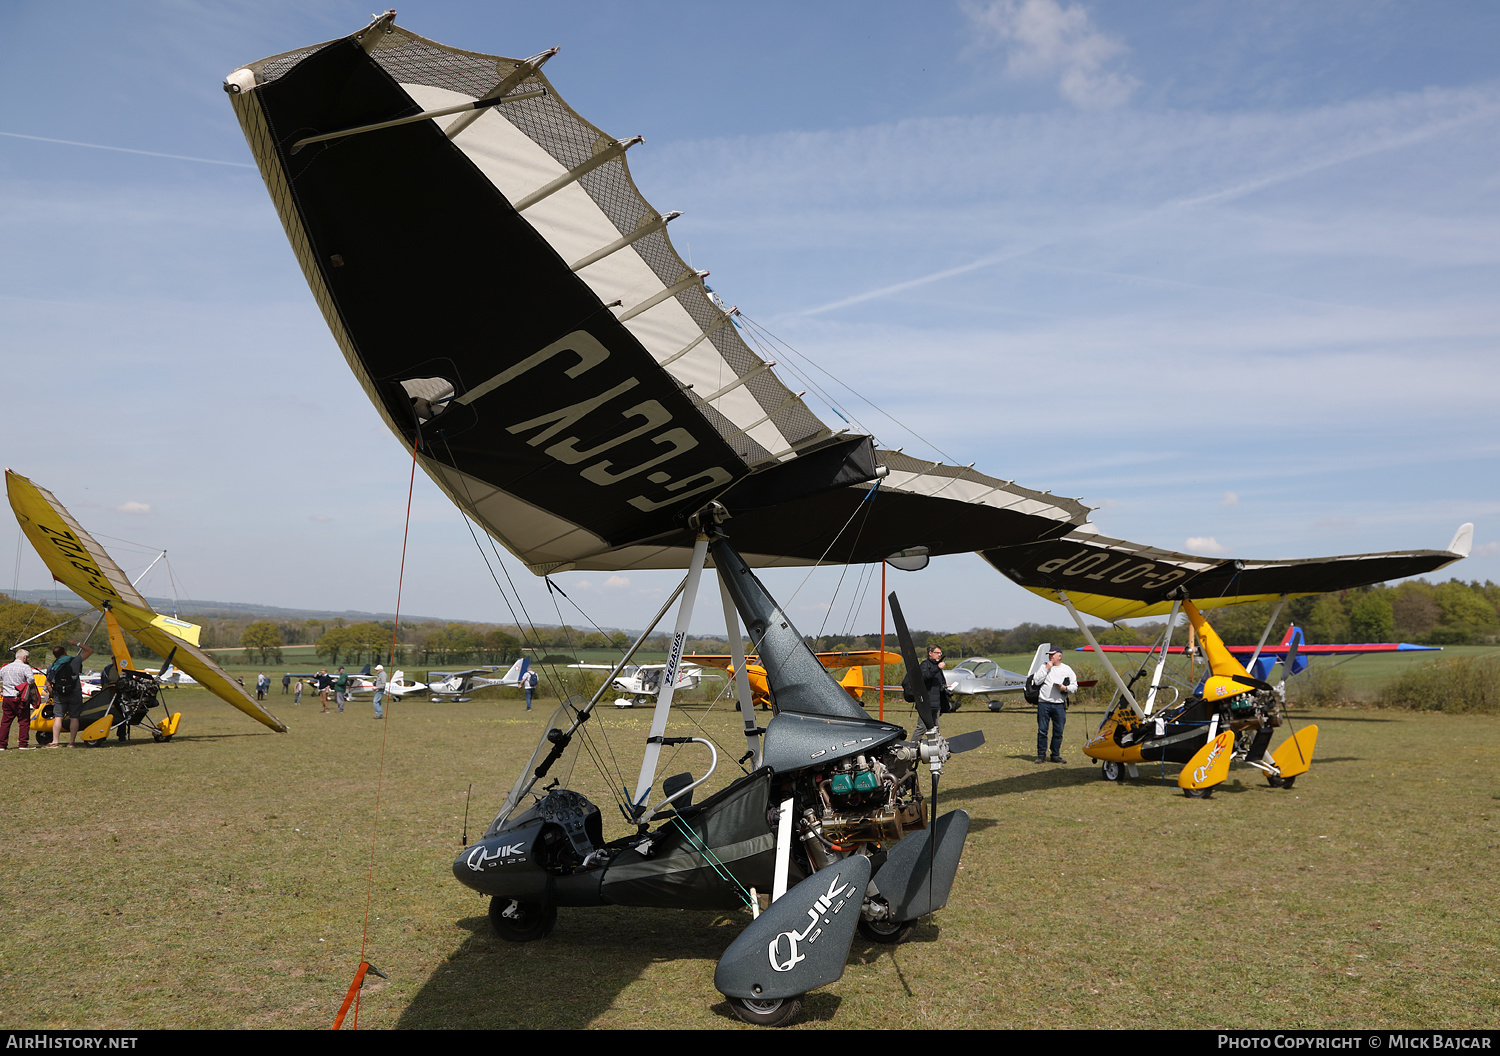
(166, 664)
(1248, 680)
(1289, 663)
(913, 683)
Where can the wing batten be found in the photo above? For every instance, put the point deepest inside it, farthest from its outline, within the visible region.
(638, 402)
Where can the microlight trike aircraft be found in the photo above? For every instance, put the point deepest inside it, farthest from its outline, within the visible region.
(1117, 580)
(81, 565)
(760, 687)
(469, 237)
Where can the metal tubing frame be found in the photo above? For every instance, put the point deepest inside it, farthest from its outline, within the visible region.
(741, 675)
(1266, 633)
(1062, 596)
(669, 679)
(1161, 661)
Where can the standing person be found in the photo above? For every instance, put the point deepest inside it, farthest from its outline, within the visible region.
(322, 682)
(286, 683)
(528, 683)
(14, 678)
(262, 684)
(1058, 680)
(379, 690)
(935, 683)
(297, 697)
(340, 689)
(65, 683)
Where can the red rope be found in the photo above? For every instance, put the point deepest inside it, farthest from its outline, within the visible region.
(364, 939)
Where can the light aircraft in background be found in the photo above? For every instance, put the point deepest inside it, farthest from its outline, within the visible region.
(760, 689)
(456, 687)
(640, 683)
(174, 676)
(1260, 662)
(982, 678)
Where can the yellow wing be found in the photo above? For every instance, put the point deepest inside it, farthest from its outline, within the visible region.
(81, 565)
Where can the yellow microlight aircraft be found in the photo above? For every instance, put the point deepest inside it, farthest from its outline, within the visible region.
(760, 687)
(1201, 732)
(81, 565)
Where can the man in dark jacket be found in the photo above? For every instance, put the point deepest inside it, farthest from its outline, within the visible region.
(935, 683)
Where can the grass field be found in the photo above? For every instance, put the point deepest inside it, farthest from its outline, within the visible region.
(220, 881)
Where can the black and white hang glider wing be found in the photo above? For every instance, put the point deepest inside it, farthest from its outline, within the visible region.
(1116, 580)
(514, 307)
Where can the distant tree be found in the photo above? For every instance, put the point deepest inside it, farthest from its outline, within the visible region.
(262, 638)
(1371, 618)
(333, 644)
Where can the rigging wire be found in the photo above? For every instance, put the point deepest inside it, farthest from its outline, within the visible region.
(364, 938)
(552, 681)
(778, 342)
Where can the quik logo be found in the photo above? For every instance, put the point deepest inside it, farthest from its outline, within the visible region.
(810, 933)
(480, 860)
(1208, 764)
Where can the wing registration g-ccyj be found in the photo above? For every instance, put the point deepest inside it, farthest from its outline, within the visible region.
(514, 307)
(1116, 580)
(81, 565)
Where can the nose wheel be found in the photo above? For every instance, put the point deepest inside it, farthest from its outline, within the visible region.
(517, 921)
(772, 1013)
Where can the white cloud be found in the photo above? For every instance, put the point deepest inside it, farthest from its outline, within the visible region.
(319, 517)
(1205, 544)
(133, 507)
(1229, 499)
(583, 584)
(616, 582)
(1490, 549)
(1044, 39)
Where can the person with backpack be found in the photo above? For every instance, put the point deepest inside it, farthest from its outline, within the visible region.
(19, 690)
(65, 685)
(528, 683)
(1054, 683)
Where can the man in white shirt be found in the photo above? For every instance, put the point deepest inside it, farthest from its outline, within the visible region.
(13, 678)
(1058, 680)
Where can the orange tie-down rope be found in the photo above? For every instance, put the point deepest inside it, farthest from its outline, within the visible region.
(352, 997)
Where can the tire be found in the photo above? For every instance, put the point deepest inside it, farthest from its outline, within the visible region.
(532, 920)
(1286, 782)
(1112, 771)
(1197, 793)
(774, 1013)
(1276, 781)
(886, 932)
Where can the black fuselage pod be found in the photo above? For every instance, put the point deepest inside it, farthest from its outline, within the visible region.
(706, 856)
(1182, 734)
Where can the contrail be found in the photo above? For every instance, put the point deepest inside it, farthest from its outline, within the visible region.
(1224, 194)
(131, 150)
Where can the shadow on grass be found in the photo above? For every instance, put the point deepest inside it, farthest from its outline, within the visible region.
(1057, 777)
(573, 976)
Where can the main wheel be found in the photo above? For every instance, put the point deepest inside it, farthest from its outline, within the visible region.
(1286, 782)
(530, 921)
(1198, 793)
(1112, 771)
(773, 1013)
(887, 932)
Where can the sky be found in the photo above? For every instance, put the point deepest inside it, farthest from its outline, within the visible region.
(1226, 272)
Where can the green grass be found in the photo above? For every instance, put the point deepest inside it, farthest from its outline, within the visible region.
(221, 881)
